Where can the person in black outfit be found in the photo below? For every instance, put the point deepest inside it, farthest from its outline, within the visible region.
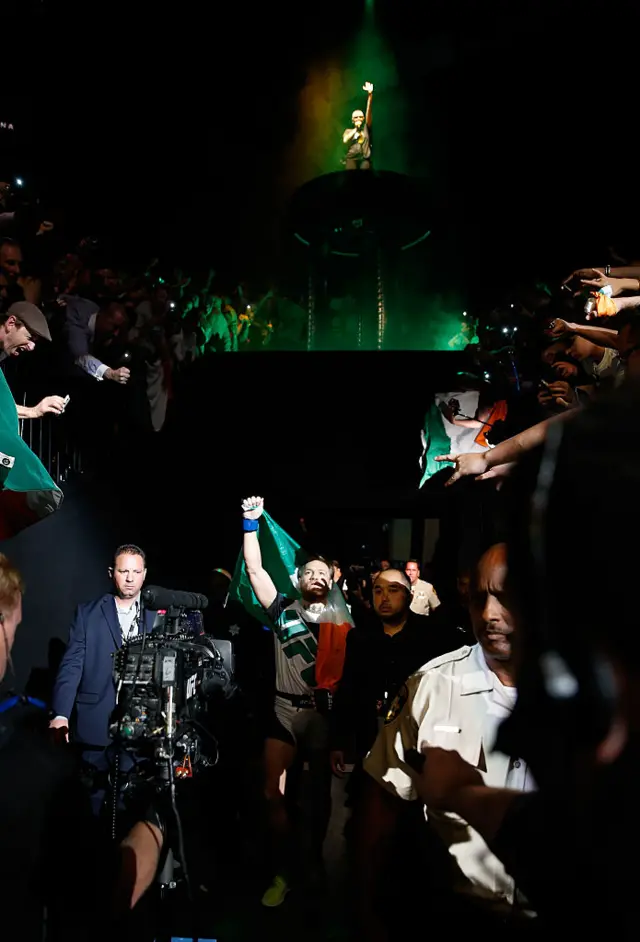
(452, 616)
(357, 139)
(384, 648)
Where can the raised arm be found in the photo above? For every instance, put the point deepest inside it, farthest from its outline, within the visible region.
(368, 87)
(603, 336)
(261, 582)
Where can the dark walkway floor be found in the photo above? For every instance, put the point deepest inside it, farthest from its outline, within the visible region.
(230, 910)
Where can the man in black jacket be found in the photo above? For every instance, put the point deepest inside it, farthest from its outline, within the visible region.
(383, 650)
(452, 616)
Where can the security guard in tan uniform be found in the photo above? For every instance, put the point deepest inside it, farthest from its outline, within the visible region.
(425, 598)
(457, 702)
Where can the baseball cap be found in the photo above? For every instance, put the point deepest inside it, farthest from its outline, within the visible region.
(32, 317)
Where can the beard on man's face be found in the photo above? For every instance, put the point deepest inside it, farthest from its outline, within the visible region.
(314, 590)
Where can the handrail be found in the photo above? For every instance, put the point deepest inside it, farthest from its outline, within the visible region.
(49, 438)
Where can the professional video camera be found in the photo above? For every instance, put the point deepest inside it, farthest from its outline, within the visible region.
(164, 680)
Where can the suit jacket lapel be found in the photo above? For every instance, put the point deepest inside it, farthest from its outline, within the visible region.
(109, 611)
(149, 619)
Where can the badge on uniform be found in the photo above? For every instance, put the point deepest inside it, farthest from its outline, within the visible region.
(397, 705)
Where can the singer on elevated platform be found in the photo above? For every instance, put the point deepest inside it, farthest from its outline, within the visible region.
(357, 139)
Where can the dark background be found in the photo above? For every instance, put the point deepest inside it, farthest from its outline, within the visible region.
(168, 129)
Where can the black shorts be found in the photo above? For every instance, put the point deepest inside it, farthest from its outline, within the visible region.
(275, 730)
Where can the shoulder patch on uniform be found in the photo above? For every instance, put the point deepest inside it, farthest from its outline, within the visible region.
(458, 655)
(396, 707)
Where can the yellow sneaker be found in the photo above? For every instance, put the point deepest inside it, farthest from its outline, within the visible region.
(276, 893)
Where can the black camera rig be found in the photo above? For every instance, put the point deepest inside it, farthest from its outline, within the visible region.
(164, 679)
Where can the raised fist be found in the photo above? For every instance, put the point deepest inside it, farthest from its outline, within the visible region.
(252, 507)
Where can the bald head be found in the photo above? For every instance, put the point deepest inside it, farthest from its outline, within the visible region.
(391, 596)
(493, 560)
(392, 575)
(492, 620)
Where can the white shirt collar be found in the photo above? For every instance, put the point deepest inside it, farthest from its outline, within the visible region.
(133, 606)
(480, 679)
(484, 680)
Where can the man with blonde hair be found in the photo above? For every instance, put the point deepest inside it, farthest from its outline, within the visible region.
(11, 589)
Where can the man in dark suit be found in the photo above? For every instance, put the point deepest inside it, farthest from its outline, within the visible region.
(85, 678)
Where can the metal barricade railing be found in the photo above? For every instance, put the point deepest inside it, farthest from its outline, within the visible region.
(48, 437)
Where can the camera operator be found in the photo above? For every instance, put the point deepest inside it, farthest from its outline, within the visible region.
(51, 852)
(85, 678)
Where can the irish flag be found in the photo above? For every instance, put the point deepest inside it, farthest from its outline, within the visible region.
(456, 424)
(281, 557)
(27, 491)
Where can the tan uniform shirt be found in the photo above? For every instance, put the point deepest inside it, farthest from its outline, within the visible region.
(455, 702)
(424, 599)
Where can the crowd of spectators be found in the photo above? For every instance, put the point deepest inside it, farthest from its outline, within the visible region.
(574, 348)
(145, 327)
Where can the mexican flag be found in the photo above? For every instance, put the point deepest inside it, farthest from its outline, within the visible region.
(281, 558)
(27, 492)
(466, 434)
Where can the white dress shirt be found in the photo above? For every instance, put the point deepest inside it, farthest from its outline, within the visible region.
(128, 617)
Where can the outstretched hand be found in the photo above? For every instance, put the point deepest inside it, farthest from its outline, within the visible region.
(368, 87)
(54, 404)
(252, 507)
(474, 464)
(558, 327)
